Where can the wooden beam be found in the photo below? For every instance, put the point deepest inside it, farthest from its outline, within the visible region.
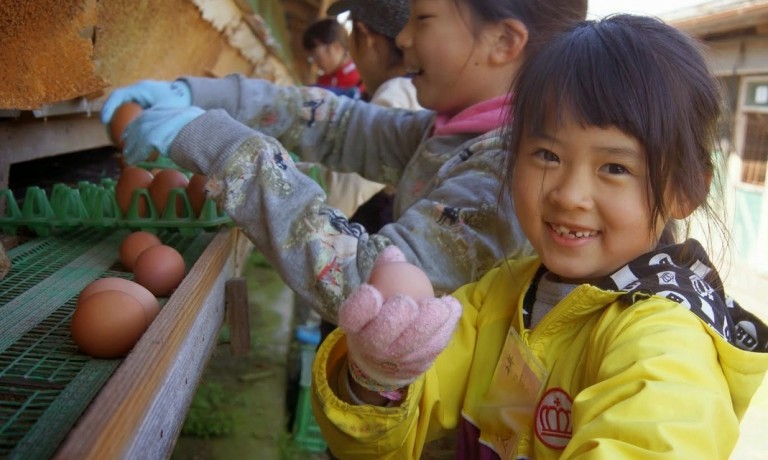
(237, 316)
(41, 138)
(30, 140)
(324, 4)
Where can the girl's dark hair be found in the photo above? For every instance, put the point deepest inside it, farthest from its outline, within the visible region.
(395, 56)
(324, 32)
(641, 76)
(542, 18)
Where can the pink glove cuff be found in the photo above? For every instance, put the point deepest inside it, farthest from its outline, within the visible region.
(392, 396)
(389, 391)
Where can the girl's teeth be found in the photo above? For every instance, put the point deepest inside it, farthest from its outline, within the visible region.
(564, 231)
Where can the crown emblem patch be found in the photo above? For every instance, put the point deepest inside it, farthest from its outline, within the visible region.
(553, 419)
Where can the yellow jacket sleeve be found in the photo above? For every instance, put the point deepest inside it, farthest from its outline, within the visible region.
(431, 408)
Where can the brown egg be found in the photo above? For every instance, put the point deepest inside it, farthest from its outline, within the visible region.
(131, 179)
(137, 291)
(108, 324)
(401, 277)
(124, 114)
(161, 186)
(133, 245)
(196, 192)
(159, 269)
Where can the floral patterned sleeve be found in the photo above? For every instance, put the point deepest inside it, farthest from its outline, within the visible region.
(344, 134)
(315, 249)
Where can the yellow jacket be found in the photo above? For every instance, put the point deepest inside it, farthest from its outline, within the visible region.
(647, 379)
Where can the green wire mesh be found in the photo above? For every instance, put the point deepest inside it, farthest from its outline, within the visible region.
(45, 382)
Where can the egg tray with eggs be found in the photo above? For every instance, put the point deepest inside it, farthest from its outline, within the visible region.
(97, 205)
(46, 381)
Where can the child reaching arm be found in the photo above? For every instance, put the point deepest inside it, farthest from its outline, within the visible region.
(463, 56)
(614, 341)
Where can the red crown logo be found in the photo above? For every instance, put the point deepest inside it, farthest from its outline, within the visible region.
(553, 419)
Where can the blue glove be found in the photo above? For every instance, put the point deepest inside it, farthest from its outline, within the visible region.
(154, 130)
(148, 93)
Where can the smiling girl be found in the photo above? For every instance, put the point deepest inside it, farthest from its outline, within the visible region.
(614, 342)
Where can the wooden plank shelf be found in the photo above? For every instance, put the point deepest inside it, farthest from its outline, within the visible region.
(55, 401)
(140, 411)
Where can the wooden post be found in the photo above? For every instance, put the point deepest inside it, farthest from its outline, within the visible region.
(236, 292)
(324, 4)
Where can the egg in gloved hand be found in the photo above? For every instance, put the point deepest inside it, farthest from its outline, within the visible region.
(124, 114)
(401, 278)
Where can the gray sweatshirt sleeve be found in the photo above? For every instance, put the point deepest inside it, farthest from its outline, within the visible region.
(343, 134)
(318, 253)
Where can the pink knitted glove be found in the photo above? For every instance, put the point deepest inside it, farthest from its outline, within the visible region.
(393, 342)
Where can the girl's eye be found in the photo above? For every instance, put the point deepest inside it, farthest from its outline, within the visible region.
(546, 155)
(614, 168)
(421, 12)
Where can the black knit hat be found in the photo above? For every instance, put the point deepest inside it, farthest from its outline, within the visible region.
(387, 17)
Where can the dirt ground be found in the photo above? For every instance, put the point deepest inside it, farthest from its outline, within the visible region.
(241, 408)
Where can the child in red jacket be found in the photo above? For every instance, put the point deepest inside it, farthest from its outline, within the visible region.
(327, 45)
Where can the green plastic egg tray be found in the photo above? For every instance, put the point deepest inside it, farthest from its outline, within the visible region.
(95, 205)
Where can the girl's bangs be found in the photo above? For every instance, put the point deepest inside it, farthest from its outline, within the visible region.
(582, 84)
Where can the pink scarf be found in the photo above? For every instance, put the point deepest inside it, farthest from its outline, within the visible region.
(479, 118)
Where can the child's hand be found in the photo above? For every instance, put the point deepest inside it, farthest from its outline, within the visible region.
(148, 93)
(154, 130)
(392, 342)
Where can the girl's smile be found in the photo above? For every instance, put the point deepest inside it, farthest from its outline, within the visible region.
(572, 232)
(581, 195)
